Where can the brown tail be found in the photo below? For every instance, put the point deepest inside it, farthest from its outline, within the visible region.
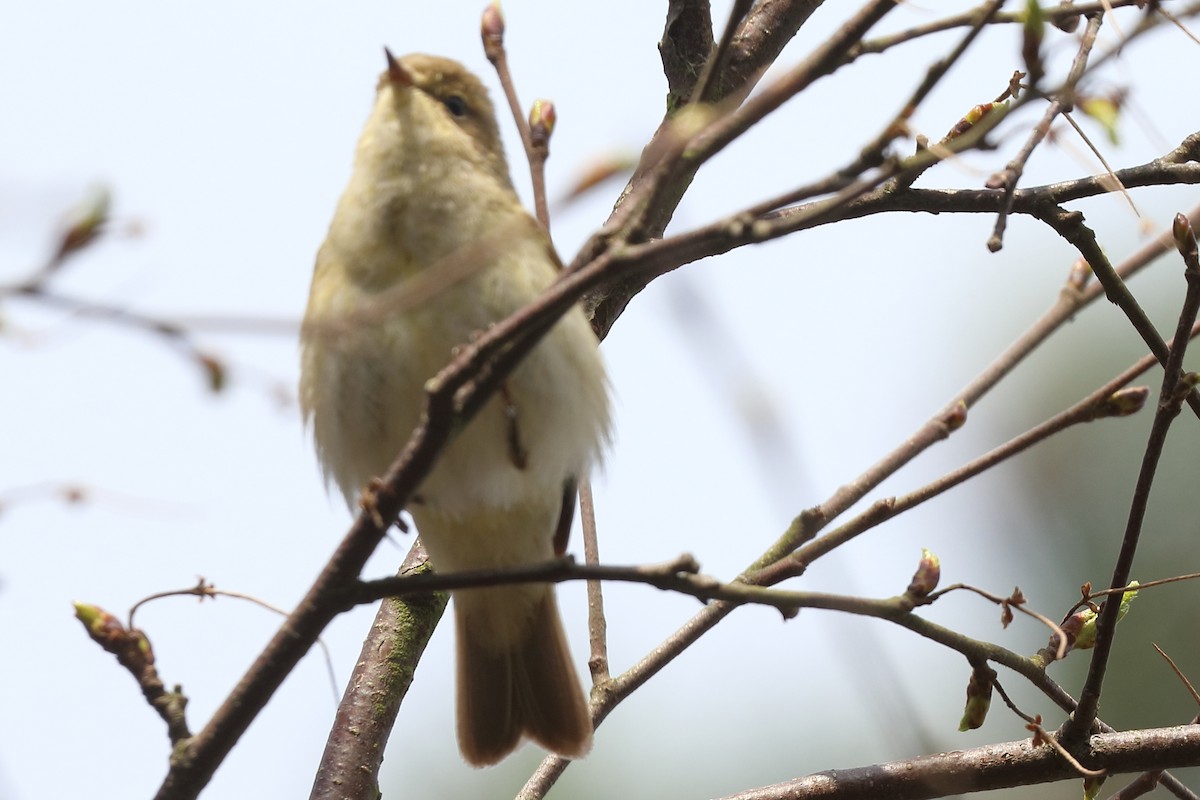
(527, 687)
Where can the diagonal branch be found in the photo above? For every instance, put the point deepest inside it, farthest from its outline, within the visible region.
(1174, 389)
(997, 766)
(1063, 101)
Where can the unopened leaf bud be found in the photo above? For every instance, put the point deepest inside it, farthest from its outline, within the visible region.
(1092, 785)
(542, 118)
(957, 416)
(1068, 23)
(491, 30)
(979, 698)
(108, 632)
(1185, 238)
(1124, 402)
(925, 579)
(85, 222)
(214, 372)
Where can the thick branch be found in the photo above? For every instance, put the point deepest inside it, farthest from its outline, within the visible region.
(654, 191)
(354, 752)
(997, 766)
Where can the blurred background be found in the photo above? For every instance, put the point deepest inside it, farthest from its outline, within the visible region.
(749, 387)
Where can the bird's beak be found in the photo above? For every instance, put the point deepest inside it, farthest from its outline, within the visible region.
(396, 72)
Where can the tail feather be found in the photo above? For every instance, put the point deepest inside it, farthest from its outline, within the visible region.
(526, 688)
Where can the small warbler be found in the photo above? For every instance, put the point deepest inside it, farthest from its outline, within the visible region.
(430, 245)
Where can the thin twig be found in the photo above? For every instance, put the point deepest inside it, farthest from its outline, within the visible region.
(823, 61)
(134, 653)
(1054, 14)
(649, 200)
(1055, 631)
(681, 574)
(1191, 576)
(541, 125)
(204, 590)
(492, 33)
(1088, 409)
(873, 154)
(597, 624)
(1178, 673)
(1070, 118)
(1174, 20)
(1009, 702)
(1064, 100)
(1044, 738)
(1174, 390)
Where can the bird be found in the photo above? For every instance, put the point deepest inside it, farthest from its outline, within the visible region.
(429, 246)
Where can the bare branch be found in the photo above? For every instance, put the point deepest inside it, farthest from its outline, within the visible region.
(354, 751)
(1175, 388)
(597, 624)
(996, 766)
(1063, 101)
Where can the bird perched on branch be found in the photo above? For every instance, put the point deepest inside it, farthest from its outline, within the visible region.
(429, 246)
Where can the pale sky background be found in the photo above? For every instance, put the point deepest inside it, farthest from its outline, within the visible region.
(225, 132)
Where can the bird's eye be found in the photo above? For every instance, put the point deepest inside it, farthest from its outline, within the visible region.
(455, 105)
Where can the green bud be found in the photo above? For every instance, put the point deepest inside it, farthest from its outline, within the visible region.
(1124, 402)
(1085, 639)
(1092, 785)
(979, 698)
(1185, 238)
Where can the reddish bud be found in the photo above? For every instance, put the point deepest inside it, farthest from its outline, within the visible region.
(491, 30)
(214, 371)
(1080, 274)
(1039, 733)
(973, 117)
(85, 223)
(74, 494)
(957, 416)
(542, 118)
(1185, 239)
(1069, 23)
(131, 647)
(925, 579)
(102, 626)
